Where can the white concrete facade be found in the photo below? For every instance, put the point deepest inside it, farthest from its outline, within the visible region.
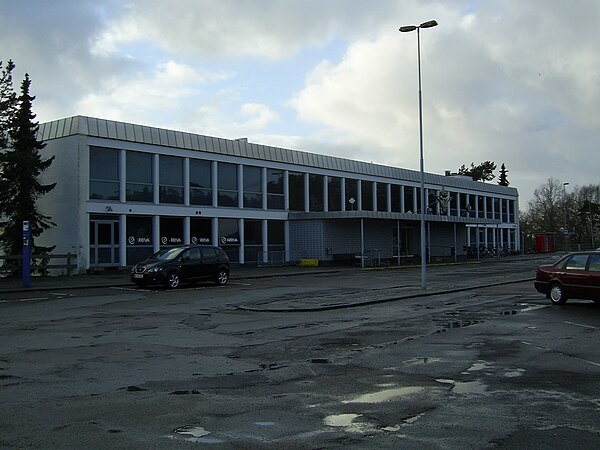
(127, 190)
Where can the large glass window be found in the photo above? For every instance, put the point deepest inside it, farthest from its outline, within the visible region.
(334, 194)
(296, 188)
(453, 196)
(200, 182)
(481, 206)
(139, 177)
(381, 197)
(229, 238)
(200, 231)
(351, 194)
(315, 186)
(497, 210)
(396, 197)
(276, 238)
(275, 196)
(504, 204)
(252, 187)
(171, 231)
(467, 205)
(488, 204)
(431, 202)
(139, 238)
(104, 173)
(171, 179)
(252, 240)
(367, 195)
(228, 188)
(409, 200)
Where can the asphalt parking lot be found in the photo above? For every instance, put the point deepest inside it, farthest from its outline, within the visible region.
(325, 359)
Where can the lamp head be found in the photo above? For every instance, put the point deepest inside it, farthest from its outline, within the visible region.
(408, 28)
(428, 24)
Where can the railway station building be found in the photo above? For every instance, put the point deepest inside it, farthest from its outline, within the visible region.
(125, 191)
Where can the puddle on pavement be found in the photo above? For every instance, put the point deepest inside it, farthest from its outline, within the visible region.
(385, 395)
(196, 434)
(466, 387)
(479, 366)
(457, 324)
(533, 307)
(340, 420)
(513, 373)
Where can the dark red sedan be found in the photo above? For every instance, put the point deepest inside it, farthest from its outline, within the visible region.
(576, 275)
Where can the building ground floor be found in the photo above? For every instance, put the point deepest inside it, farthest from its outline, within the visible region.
(118, 240)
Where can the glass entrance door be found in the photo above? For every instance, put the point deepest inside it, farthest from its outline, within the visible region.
(104, 242)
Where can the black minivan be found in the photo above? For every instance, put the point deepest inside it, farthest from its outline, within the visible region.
(175, 265)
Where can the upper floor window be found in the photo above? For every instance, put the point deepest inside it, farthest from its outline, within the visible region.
(315, 187)
(296, 191)
(382, 197)
(104, 173)
(200, 182)
(139, 177)
(351, 194)
(367, 195)
(409, 200)
(396, 200)
(228, 186)
(252, 187)
(334, 194)
(275, 196)
(171, 179)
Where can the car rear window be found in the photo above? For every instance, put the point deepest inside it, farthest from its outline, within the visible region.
(594, 263)
(209, 254)
(577, 262)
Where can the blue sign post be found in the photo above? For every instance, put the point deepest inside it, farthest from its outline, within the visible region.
(26, 265)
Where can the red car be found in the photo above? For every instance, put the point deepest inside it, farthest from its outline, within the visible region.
(576, 275)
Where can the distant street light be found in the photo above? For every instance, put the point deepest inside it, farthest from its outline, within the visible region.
(591, 222)
(406, 29)
(566, 232)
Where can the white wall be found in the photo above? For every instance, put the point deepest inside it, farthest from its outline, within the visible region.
(65, 204)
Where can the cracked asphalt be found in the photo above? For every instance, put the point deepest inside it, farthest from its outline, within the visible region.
(479, 360)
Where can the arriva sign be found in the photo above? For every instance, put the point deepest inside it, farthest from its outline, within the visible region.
(229, 240)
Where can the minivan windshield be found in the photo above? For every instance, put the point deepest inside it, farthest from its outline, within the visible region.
(167, 254)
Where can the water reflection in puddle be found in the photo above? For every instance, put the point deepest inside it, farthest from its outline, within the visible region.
(196, 434)
(512, 373)
(478, 366)
(385, 395)
(466, 387)
(340, 420)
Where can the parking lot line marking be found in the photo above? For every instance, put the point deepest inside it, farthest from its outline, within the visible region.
(593, 363)
(31, 299)
(582, 325)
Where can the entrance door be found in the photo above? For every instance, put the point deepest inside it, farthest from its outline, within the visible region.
(104, 242)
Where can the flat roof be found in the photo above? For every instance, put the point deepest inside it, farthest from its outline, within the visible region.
(122, 131)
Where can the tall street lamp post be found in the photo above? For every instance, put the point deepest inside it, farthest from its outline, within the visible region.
(406, 29)
(566, 232)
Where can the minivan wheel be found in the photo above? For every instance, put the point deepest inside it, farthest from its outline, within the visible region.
(173, 280)
(557, 294)
(222, 277)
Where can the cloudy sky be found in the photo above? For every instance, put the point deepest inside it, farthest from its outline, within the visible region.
(512, 81)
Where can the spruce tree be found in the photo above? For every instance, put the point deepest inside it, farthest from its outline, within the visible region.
(502, 179)
(8, 102)
(20, 168)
